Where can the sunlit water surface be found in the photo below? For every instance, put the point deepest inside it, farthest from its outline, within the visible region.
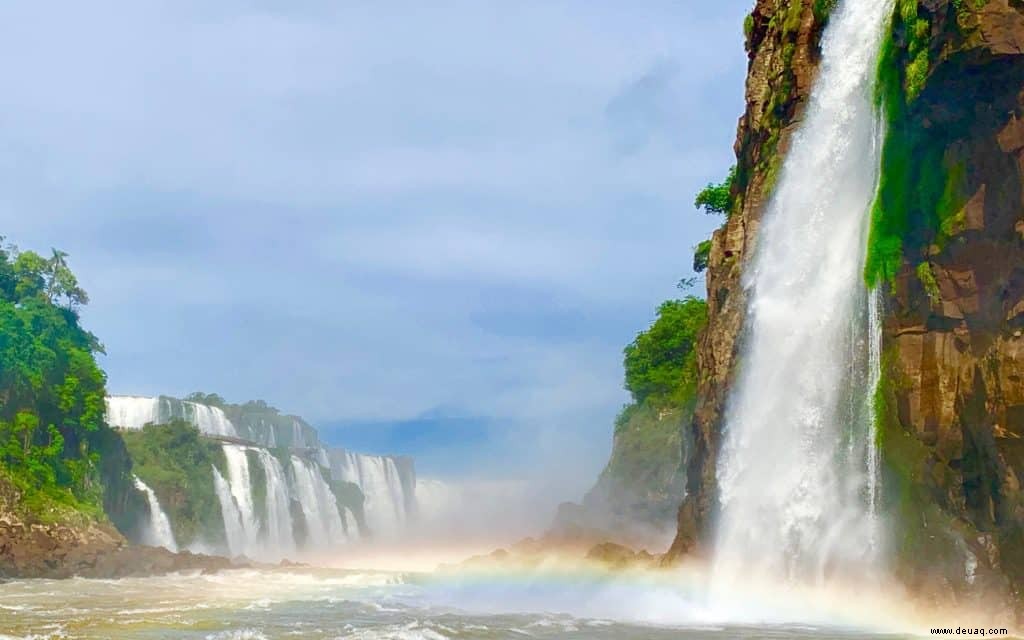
(247, 604)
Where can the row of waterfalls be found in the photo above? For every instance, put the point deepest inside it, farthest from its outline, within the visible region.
(277, 500)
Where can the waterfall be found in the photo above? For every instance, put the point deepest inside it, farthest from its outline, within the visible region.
(234, 533)
(797, 465)
(387, 492)
(278, 528)
(324, 522)
(240, 482)
(132, 412)
(209, 420)
(158, 530)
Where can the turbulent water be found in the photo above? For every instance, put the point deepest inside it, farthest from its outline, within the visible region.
(798, 467)
(322, 605)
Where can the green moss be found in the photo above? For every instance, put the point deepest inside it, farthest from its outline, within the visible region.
(748, 26)
(927, 278)
(922, 182)
(823, 9)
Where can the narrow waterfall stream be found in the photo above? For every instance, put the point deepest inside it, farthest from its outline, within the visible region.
(798, 468)
(159, 532)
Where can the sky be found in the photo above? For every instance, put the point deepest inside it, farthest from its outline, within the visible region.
(428, 228)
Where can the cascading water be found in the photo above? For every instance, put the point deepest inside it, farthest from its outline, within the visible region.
(209, 420)
(278, 528)
(132, 412)
(325, 524)
(387, 494)
(797, 472)
(240, 481)
(234, 533)
(158, 530)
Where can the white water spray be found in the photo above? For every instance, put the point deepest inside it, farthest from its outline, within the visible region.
(797, 472)
(158, 530)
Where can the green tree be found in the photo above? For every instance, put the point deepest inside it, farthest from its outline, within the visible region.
(717, 198)
(51, 389)
(660, 364)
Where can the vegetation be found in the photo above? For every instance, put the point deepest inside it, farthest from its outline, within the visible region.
(660, 363)
(175, 462)
(52, 434)
(643, 479)
(923, 182)
(717, 198)
(701, 254)
(823, 9)
(927, 278)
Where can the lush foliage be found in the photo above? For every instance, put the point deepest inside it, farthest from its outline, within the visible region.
(211, 399)
(717, 198)
(176, 463)
(52, 433)
(660, 363)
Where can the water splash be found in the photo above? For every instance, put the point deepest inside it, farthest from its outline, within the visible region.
(798, 466)
(158, 531)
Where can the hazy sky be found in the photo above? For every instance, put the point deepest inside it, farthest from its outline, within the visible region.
(429, 231)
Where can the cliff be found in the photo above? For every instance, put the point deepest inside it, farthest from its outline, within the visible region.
(637, 494)
(952, 402)
(946, 252)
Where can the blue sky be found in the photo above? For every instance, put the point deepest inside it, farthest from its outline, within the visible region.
(427, 230)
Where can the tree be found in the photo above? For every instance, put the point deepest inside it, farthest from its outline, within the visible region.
(51, 389)
(659, 363)
(717, 198)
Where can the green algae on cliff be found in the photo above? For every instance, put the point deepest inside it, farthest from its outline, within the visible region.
(921, 180)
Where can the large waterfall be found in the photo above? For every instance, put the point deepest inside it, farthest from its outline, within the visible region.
(277, 489)
(157, 530)
(390, 493)
(135, 412)
(798, 468)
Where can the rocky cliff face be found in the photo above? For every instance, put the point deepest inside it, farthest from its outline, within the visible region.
(783, 46)
(951, 403)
